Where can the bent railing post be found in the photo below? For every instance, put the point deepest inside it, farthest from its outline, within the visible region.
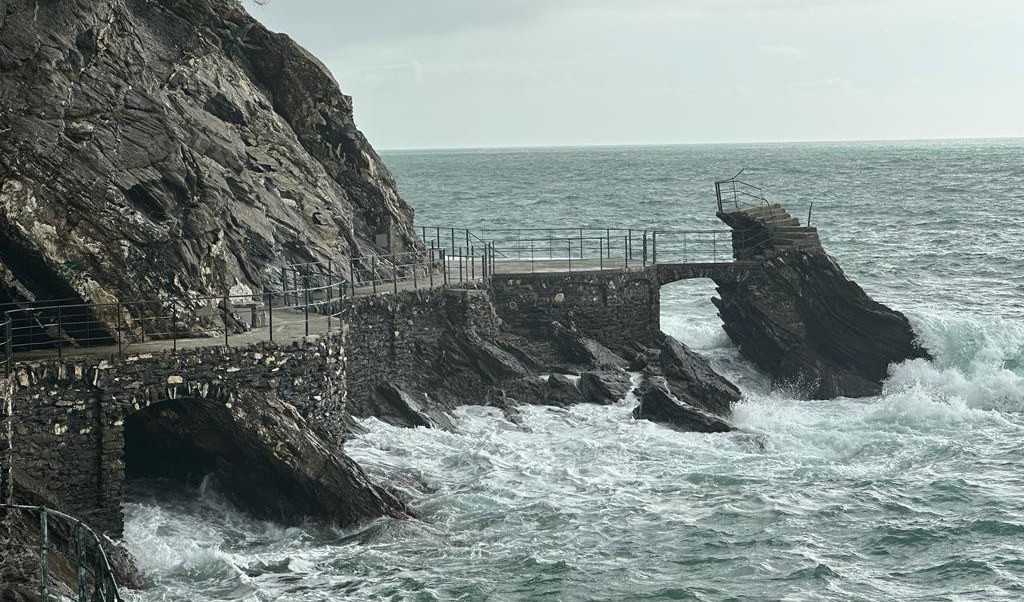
(44, 563)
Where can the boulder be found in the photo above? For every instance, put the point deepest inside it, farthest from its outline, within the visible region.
(604, 387)
(584, 351)
(657, 404)
(692, 380)
(410, 409)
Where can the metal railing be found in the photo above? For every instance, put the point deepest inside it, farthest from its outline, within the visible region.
(741, 195)
(69, 538)
(306, 300)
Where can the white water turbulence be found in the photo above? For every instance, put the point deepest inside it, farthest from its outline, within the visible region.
(916, 494)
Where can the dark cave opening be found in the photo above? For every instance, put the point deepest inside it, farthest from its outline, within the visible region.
(172, 440)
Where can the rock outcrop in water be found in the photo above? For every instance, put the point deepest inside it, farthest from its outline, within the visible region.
(800, 319)
(173, 148)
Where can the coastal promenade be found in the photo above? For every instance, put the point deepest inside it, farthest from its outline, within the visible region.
(307, 299)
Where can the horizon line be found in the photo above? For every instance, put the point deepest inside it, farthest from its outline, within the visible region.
(700, 143)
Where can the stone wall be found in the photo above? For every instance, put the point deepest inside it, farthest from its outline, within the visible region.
(386, 333)
(68, 417)
(614, 307)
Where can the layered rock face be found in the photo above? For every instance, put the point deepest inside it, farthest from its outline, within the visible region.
(800, 319)
(164, 148)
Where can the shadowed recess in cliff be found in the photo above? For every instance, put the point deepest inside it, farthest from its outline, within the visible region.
(175, 147)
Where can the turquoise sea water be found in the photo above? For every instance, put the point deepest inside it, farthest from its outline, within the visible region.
(917, 494)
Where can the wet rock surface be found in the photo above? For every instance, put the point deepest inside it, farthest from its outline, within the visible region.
(167, 148)
(801, 320)
(658, 404)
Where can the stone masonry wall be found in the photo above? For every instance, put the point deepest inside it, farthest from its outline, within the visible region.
(384, 332)
(614, 307)
(68, 426)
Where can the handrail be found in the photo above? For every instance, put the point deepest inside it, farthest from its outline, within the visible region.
(95, 579)
(739, 189)
(287, 304)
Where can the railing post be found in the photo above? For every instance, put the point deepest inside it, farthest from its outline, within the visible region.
(460, 264)
(270, 315)
(654, 246)
(330, 293)
(570, 253)
(629, 245)
(444, 268)
(472, 263)
(44, 561)
(625, 250)
(80, 559)
(284, 283)
(645, 248)
(430, 264)
(60, 329)
(600, 254)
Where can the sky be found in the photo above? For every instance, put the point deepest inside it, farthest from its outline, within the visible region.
(501, 73)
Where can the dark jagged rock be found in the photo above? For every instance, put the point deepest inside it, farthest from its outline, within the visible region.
(560, 390)
(604, 387)
(174, 148)
(268, 460)
(804, 322)
(691, 379)
(657, 404)
(411, 409)
(579, 349)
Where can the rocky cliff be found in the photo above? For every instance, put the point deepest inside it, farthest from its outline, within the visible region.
(164, 148)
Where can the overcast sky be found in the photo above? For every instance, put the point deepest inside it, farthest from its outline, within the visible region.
(479, 73)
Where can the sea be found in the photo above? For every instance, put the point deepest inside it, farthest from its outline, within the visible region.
(916, 494)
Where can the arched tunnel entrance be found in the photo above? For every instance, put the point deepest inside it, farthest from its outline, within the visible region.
(182, 440)
(186, 440)
(264, 457)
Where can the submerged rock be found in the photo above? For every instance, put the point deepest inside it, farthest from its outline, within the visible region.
(657, 404)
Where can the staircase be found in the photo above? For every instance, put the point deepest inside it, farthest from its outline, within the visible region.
(772, 226)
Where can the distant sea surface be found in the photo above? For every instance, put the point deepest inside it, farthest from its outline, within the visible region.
(917, 494)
